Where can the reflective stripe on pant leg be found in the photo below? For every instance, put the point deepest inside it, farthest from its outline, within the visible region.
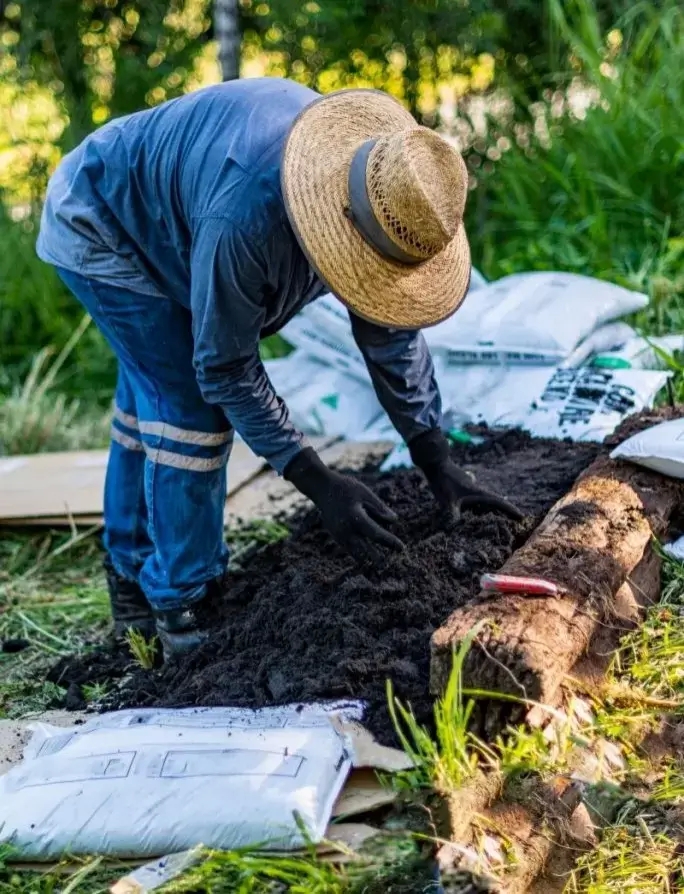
(185, 435)
(185, 492)
(125, 418)
(187, 463)
(183, 448)
(125, 440)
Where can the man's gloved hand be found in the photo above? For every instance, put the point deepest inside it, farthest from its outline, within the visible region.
(453, 488)
(351, 512)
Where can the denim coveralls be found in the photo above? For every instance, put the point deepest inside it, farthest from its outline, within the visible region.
(169, 226)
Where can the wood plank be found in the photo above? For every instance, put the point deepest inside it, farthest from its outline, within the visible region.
(51, 488)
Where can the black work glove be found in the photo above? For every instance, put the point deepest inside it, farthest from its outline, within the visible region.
(453, 488)
(351, 512)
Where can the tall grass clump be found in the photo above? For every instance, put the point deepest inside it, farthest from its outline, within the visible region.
(598, 189)
(37, 310)
(34, 417)
(447, 760)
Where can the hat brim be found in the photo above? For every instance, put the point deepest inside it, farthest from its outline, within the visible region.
(314, 173)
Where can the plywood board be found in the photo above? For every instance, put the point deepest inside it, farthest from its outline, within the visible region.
(52, 488)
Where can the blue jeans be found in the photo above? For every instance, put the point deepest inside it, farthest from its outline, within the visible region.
(165, 488)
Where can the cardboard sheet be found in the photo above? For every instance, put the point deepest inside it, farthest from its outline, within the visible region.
(55, 488)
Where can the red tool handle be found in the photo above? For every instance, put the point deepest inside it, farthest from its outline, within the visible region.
(506, 583)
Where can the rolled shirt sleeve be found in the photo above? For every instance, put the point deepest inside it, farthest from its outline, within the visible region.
(229, 290)
(403, 375)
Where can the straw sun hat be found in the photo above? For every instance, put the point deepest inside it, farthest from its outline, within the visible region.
(376, 203)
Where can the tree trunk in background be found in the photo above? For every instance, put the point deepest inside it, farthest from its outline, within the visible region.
(227, 33)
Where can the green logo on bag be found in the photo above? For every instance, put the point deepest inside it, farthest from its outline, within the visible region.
(332, 400)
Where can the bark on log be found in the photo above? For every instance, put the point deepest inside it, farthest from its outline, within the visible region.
(534, 820)
(589, 544)
(462, 806)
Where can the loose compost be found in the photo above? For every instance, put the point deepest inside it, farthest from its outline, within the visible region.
(301, 621)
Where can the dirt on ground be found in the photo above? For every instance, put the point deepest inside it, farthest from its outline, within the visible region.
(301, 621)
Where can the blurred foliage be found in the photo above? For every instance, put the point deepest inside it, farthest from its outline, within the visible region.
(576, 162)
(597, 188)
(412, 48)
(101, 58)
(37, 310)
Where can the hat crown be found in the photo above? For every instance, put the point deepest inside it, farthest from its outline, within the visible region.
(417, 185)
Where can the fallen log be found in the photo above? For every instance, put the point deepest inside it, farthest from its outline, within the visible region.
(533, 818)
(589, 544)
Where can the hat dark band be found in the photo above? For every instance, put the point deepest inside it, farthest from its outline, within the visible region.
(361, 211)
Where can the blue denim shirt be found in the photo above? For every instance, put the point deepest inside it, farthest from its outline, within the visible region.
(183, 201)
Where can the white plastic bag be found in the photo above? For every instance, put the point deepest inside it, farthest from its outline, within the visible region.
(675, 550)
(660, 448)
(582, 404)
(344, 408)
(641, 353)
(323, 330)
(290, 374)
(321, 399)
(606, 338)
(143, 783)
(477, 280)
(530, 318)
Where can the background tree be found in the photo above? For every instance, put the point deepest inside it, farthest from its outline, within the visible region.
(227, 36)
(102, 58)
(408, 46)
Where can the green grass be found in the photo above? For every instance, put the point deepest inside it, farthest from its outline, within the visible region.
(36, 418)
(144, 651)
(447, 761)
(629, 861)
(599, 194)
(51, 594)
(603, 193)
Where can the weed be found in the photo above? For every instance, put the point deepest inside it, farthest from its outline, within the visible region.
(144, 651)
(247, 538)
(449, 760)
(95, 694)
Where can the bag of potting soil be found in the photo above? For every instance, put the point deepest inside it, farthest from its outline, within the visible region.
(321, 399)
(343, 407)
(660, 448)
(380, 430)
(530, 318)
(142, 783)
(584, 404)
(641, 353)
(610, 337)
(323, 331)
(290, 374)
(477, 280)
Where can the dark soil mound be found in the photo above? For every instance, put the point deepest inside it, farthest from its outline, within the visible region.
(301, 621)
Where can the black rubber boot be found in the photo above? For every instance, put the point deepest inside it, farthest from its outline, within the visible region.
(181, 630)
(130, 608)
